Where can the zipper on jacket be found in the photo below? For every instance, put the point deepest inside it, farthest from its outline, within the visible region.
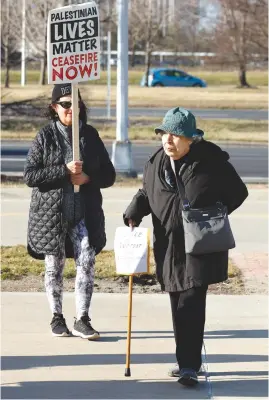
(169, 190)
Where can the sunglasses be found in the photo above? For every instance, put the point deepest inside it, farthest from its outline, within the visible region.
(65, 104)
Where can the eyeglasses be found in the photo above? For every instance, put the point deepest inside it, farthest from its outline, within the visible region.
(65, 104)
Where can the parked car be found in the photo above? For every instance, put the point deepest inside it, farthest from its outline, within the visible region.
(172, 77)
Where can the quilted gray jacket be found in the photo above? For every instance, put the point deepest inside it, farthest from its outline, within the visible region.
(46, 173)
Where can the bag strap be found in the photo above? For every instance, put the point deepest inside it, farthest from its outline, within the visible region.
(180, 187)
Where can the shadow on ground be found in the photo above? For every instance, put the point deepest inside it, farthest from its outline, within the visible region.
(235, 384)
(135, 389)
(228, 334)
(25, 362)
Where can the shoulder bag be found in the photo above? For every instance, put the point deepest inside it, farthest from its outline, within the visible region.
(206, 229)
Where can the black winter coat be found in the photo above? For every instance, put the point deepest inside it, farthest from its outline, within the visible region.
(208, 177)
(46, 172)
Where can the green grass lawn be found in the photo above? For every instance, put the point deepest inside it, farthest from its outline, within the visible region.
(255, 78)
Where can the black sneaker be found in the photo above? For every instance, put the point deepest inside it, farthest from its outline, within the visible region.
(58, 326)
(188, 377)
(175, 371)
(83, 328)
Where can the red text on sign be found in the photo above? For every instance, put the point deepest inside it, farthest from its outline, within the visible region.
(72, 72)
(75, 59)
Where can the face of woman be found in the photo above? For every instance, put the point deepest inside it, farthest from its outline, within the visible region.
(175, 146)
(64, 108)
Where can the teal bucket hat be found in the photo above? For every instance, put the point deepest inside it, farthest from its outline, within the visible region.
(180, 122)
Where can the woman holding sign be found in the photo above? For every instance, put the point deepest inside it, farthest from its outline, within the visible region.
(63, 223)
(203, 170)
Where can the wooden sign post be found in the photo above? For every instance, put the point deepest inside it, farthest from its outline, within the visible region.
(75, 127)
(129, 330)
(132, 252)
(73, 48)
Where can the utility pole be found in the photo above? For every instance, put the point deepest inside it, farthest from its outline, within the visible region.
(171, 15)
(23, 39)
(122, 147)
(158, 11)
(108, 62)
(7, 46)
(164, 11)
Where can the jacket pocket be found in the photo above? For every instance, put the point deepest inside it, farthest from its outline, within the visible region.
(35, 201)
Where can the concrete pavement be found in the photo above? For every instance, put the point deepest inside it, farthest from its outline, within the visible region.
(36, 365)
(249, 222)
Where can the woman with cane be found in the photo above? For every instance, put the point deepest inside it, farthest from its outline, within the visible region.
(207, 177)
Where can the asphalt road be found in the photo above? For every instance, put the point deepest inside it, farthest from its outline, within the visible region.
(210, 113)
(248, 160)
(199, 113)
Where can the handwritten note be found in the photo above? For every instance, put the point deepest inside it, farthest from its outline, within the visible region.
(131, 249)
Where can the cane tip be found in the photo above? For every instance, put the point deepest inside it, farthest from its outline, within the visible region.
(127, 372)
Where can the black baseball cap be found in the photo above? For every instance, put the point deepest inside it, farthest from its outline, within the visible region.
(60, 90)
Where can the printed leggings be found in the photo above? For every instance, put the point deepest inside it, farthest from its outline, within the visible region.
(84, 256)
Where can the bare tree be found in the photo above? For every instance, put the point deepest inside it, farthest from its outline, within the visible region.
(155, 26)
(239, 33)
(108, 22)
(149, 39)
(189, 23)
(259, 27)
(134, 29)
(36, 32)
(145, 30)
(10, 37)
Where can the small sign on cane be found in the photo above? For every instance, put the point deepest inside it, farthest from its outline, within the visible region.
(132, 253)
(73, 52)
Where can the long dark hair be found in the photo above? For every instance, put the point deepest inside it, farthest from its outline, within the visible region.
(51, 114)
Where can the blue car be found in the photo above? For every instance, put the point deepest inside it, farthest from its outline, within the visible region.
(172, 77)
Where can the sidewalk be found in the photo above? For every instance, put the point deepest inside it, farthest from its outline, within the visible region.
(36, 365)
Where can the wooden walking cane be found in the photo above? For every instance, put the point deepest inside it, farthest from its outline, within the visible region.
(75, 127)
(127, 369)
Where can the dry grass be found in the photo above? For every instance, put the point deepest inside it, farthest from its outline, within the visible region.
(224, 130)
(16, 264)
(143, 129)
(220, 97)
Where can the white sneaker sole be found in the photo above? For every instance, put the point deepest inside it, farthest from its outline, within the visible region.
(95, 336)
(64, 334)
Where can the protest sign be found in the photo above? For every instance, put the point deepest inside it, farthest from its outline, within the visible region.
(132, 252)
(73, 44)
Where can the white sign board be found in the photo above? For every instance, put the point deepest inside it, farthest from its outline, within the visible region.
(132, 249)
(73, 44)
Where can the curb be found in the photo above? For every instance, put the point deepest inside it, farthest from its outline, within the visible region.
(152, 142)
(18, 177)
